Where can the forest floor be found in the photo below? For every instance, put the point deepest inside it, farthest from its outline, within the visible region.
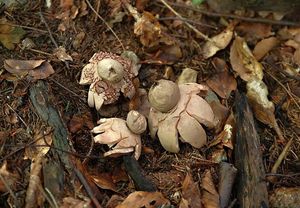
(68, 33)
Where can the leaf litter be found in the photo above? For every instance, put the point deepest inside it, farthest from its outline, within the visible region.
(259, 59)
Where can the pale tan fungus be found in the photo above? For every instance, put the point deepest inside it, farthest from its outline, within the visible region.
(183, 120)
(121, 140)
(164, 95)
(136, 122)
(109, 75)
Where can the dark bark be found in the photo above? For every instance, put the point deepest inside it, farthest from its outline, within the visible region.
(227, 174)
(258, 5)
(251, 186)
(135, 172)
(42, 100)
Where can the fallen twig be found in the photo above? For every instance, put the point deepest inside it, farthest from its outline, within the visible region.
(281, 156)
(246, 19)
(133, 169)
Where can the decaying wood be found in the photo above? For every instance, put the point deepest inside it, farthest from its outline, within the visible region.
(265, 5)
(140, 181)
(40, 98)
(42, 101)
(227, 173)
(251, 186)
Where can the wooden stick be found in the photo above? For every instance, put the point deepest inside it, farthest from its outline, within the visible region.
(251, 186)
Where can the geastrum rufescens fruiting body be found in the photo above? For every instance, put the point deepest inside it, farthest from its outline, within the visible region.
(109, 75)
(122, 137)
(177, 112)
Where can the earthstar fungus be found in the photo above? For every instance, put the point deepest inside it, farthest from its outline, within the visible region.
(109, 75)
(184, 119)
(122, 137)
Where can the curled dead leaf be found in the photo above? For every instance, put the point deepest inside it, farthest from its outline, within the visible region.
(210, 196)
(218, 42)
(257, 94)
(264, 46)
(254, 31)
(144, 199)
(104, 181)
(36, 69)
(150, 31)
(222, 82)
(243, 62)
(190, 193)
(61, 54)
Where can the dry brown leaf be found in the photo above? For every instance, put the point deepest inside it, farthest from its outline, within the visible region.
(251, 71)
(167, 54)
(114, 201)
(66, 4)
(70, 202)
(254, 31)
(43, 140)
(12, 118)
(144, 199)
(119, 174)
(42, 72)
(190, 193)
(222, 82)
(225, 137)
(61, 54)
(218, 155)
(104, 181)
(141, 4)
(257, 94)
(285, 197)
(221, 113)
(297, 56)
(10, 178)
(218, 42)
(289, 33)
(37, 69)
(264, 46)
(19, 67)
(243, 62)
(210, 196)
(150, 31)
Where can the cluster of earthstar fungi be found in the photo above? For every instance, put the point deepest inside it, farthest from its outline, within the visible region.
(176, 113)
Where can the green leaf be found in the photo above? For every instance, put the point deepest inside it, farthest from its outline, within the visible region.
(197, 2)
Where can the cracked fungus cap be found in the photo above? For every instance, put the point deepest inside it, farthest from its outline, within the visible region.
(164, 95)
(184, 120)
(136, 122)
(109, 75)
